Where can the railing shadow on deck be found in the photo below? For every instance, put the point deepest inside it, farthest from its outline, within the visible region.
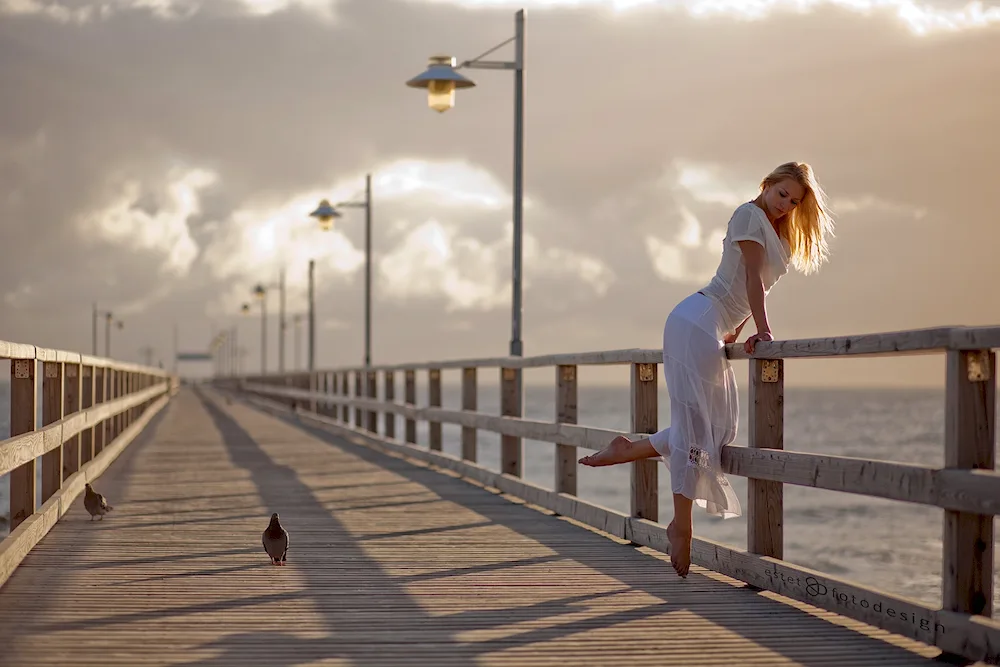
(967, 488)
(432, 639)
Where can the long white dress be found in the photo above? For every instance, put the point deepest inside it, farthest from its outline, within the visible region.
(704, 405)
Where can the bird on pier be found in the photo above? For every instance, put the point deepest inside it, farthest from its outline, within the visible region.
(275, 541)
(95, 503)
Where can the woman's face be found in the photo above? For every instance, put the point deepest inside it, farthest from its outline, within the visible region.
(782, 197)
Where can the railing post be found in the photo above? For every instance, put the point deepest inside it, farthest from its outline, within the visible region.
(23, 419)
(389, 391)
(765, 499)
(410, 398)
(510, 406)
(72, 384)
(52, 411)
(470, 401)
(434, 401)
(644, 412)
(329, 387)
(87, 401)
(345, 392)
(970, 437)
(566, 397)
(100, 384)
(357, 394)
(371, 379)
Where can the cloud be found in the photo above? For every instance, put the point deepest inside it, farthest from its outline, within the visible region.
(194, 148)
(124, 221)
(691, 256)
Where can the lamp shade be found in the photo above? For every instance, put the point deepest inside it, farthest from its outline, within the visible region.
(441, 81)
(326, 214)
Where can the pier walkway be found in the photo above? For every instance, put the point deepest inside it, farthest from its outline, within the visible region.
(392, 561)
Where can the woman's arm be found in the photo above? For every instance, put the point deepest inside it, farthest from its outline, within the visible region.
(753, 258)
(731, 338)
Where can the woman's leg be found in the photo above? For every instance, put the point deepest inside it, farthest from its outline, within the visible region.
(621, 450)
(679, 534)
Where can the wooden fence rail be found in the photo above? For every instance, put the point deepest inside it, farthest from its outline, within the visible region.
(91, 409)
(967, 487)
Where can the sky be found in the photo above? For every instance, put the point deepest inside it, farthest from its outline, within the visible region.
(160, 157)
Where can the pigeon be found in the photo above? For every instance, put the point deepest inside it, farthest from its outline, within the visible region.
(95, 503)
(275, 541)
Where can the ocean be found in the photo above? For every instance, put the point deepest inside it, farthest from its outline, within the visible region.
(889, 545)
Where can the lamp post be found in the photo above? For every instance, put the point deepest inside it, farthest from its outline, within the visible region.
(260, 291)
(326, 214)
(108, 319)
(441, 79)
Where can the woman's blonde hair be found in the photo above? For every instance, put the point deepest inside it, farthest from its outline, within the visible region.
(809, 223)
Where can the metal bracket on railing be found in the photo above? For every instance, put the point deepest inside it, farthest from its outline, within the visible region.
(21, 369)
(509, 373)
(977, 364)
(434, 373)
(769, 370)
(567, 373)
(647, 372)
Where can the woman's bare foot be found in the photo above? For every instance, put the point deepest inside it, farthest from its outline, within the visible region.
(680, 548)
(619, 451)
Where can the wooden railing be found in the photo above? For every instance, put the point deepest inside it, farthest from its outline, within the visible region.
(91, 409)
(967, 488)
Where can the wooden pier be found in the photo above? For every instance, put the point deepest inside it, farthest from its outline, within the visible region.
(402, 554)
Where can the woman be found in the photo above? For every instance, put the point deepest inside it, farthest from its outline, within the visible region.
(786, 224)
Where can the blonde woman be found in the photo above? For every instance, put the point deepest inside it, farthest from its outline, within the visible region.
(787, 223)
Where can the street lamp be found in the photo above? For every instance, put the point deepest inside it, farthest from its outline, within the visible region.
(441, 79)
(260, 292)
(108, 320)
(326, 213)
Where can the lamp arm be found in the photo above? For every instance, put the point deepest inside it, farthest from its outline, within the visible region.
(471, 64)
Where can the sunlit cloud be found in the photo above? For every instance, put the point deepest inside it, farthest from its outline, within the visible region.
(919, 16)
(690, 256)
(125, 221)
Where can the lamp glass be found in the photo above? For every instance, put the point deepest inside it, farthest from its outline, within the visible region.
(440, 95)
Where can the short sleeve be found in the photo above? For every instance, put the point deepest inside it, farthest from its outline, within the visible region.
(745, 225)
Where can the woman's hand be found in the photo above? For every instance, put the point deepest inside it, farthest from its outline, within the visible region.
(752, 340)
(730, 338)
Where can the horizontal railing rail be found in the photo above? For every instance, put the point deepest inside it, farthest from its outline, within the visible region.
(967, 487)
(91, 408)
(916, 341)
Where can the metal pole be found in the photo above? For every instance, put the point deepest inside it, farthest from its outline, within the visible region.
(311, 360)
(107, 336)
(368, 270)
(232, 352)
(516, 348)
(263, 336)
(94, 329)
(296, 343)
(282, 323)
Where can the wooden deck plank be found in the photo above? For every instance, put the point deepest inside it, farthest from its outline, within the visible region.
(390, 563)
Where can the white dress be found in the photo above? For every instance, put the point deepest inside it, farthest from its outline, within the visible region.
(704, 405)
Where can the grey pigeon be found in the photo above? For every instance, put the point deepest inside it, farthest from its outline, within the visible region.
(95, 503)
(275, 541)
